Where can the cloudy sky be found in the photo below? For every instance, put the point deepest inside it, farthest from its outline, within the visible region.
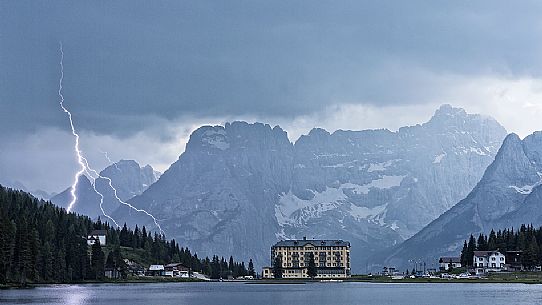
(141, 75)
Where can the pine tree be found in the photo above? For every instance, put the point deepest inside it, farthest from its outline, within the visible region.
(251, 268)
(40, 242)
(464, 261)
(492, 241)
(97, 261)
(7, 247)
(312, 272)
(277, 267)
(47, 262)
(530, 256)
(231, 266)
(471, 247)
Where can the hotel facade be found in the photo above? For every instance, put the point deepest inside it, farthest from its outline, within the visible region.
(331, 258)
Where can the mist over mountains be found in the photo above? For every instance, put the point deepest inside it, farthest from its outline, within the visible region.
(239, 188)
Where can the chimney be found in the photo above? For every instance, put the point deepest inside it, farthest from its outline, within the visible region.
(304, 237)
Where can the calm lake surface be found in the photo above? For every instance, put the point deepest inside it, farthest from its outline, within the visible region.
(241, 293)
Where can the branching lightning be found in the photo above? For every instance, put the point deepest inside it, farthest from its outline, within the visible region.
(120, 200)
(84, 166)
(109, 160)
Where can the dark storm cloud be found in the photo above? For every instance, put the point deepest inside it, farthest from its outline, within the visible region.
(126, 59)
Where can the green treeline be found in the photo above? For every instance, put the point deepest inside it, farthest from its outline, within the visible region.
(42, 243)
(526, 239)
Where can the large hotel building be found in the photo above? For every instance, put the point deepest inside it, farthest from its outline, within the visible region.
(331, 257)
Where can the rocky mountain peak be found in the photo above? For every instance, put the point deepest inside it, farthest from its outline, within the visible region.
(127, 177)
(447, 111)
(508, 195)
(238, 188)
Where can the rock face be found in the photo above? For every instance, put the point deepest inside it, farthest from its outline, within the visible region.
(508, 195)
(127, 177)
(238, 189)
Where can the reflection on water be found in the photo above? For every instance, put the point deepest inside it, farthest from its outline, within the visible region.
(241, 293)
(78, 295)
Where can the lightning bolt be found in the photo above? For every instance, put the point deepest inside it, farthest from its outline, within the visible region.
(109, 160)
(76, 147)
(84, 166)
(88, 171)
(118, 198)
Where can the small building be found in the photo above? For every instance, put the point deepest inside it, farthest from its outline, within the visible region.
(267, 273)
(488, 261)
(176, 270)
(449, 262)
(389, 271)
(156, 270)
(514, 260)
(97, 235)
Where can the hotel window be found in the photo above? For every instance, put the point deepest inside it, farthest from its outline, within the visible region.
(492, 258)
(502, 258)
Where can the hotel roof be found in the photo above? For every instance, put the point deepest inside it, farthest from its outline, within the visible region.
(314, 242)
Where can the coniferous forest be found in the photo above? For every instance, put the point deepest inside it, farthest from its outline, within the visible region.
(42, 243)
(526, 239)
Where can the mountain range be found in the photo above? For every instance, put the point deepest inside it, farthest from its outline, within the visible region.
(508, 195)
(239, 188)
(17, 185)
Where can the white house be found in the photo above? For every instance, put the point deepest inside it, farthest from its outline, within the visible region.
(96, 235)
(488, 261)
(447, 263)
(156, 270)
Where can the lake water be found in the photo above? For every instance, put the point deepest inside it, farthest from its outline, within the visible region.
(241, 293)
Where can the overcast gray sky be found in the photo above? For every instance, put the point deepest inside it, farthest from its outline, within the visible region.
(141, 75)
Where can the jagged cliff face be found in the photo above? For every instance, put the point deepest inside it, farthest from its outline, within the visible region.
(508, 195)
(219, 196)
(238, 189)
(127, 177)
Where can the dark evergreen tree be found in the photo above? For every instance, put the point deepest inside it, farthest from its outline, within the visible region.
(97, 261)
(312, 272)
(464, 261)
(471, 247)
(277, 267)
(40, 242)
(251, 268)
(530, 255)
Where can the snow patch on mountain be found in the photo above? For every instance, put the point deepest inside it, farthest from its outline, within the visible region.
(527, 189)
(292, 210)
(439, 158)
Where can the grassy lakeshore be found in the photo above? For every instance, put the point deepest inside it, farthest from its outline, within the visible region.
(519, 278)
(146, 279)
(512, 277)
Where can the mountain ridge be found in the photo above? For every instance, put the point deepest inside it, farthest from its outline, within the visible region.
(508, 195)
(241, 187)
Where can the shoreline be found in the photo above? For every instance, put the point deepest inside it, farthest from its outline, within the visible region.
(289, 282)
